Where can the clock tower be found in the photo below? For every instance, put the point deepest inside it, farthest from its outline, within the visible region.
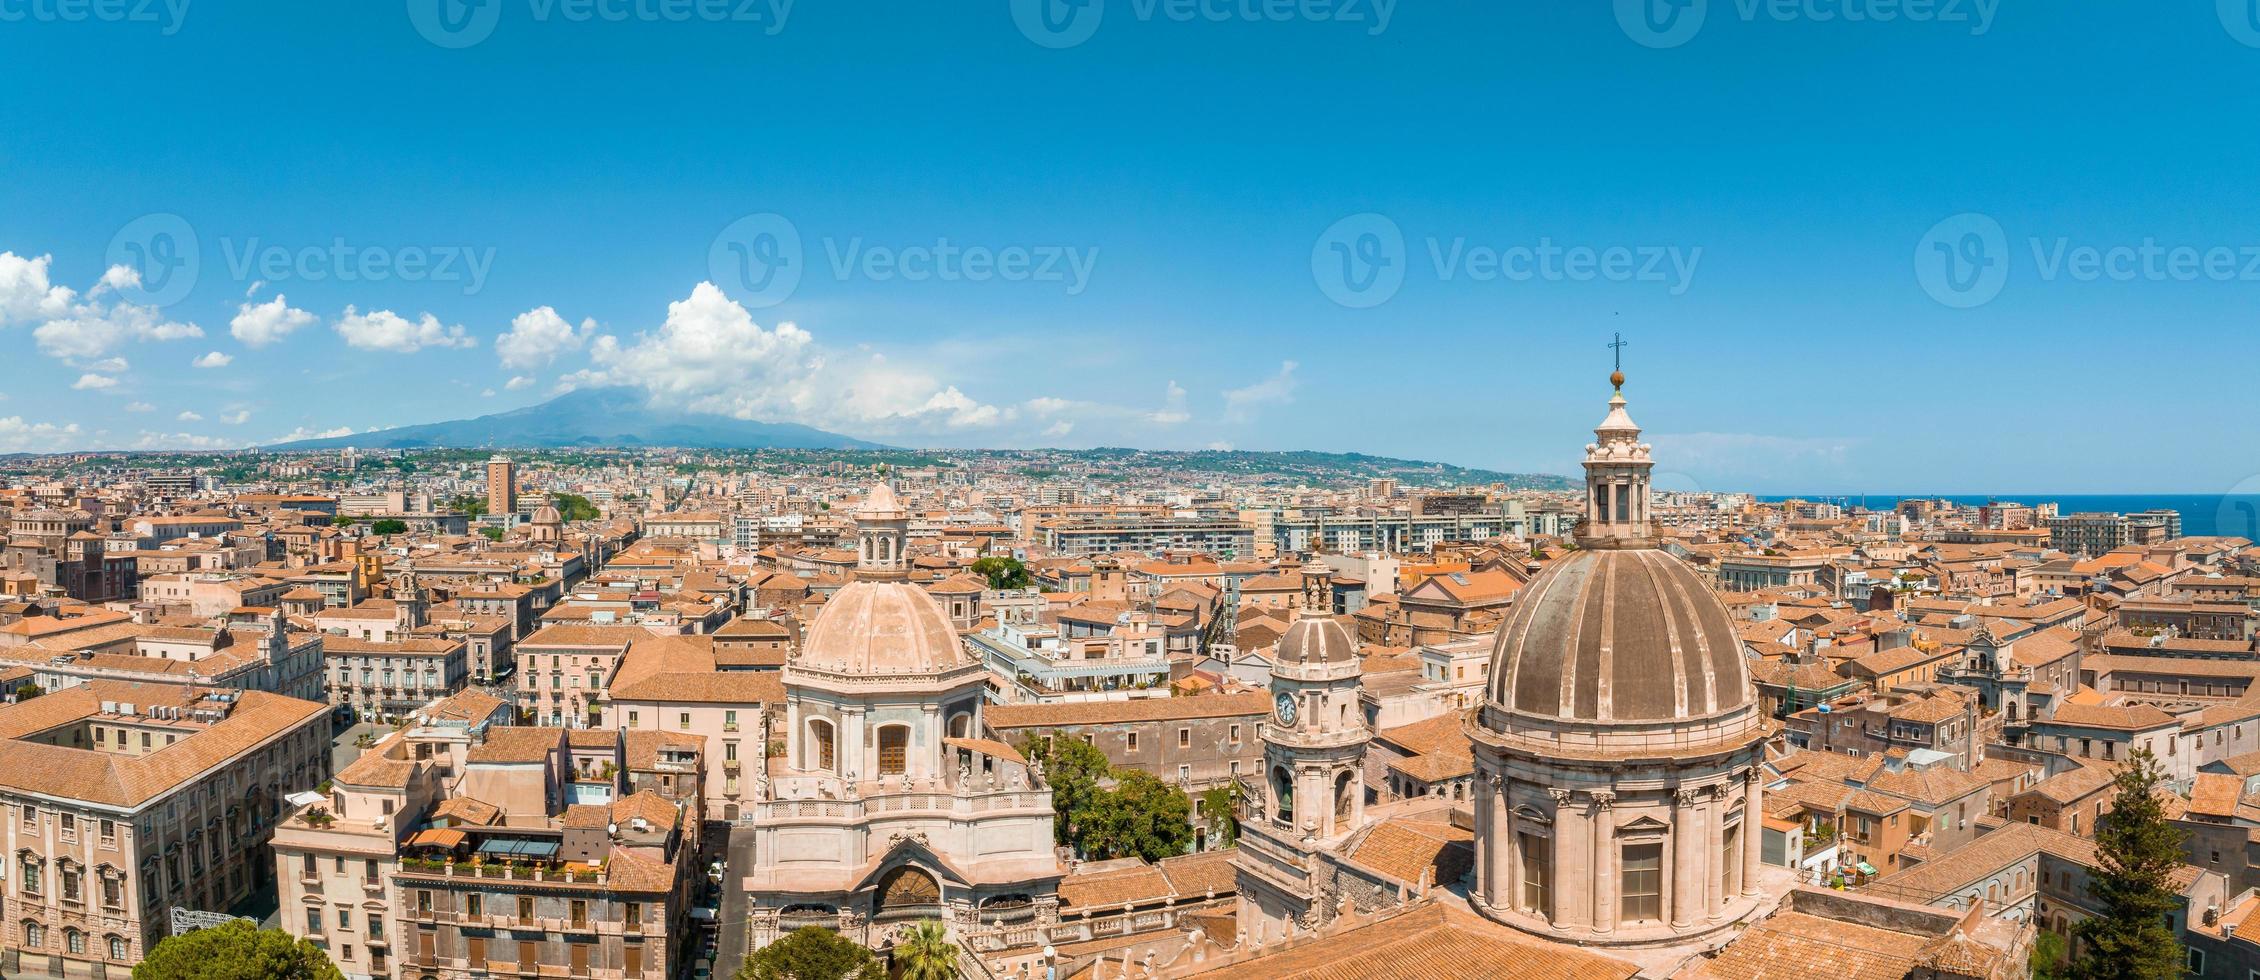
(1311, 793)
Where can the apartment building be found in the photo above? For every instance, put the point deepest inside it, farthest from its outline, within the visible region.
(563, 670)
(1147, 535)
(382, 681)
(490, 851)
(121, 801)
(1195, 742)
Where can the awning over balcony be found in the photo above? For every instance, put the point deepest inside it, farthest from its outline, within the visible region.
(497, 847)
(437, 837)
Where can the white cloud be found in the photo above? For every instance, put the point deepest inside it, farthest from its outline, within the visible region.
(25, 294)
(384, 330)
(1172, 410)
(710, 356)
(1279, 389)
(140, 407)
(1058, 429)
(17, 435)
(93, 382)
(214, 359)
(517, 383)
(303, 432)
(74, 327)
(180, 440)
(537, 337)
(258, 325)
(93, 329)
(237, 417)
(1220, 446)
(109, 365)
(486, 393)
(188, 416)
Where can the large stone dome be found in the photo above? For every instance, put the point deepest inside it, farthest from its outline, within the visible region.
(881, 628)
(1614, 635)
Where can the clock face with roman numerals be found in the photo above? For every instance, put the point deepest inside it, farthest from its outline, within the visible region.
(1283, 705)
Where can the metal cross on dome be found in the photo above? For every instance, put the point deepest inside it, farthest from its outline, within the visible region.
(1617, 347)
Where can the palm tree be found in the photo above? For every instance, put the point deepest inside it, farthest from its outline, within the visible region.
(926, 953)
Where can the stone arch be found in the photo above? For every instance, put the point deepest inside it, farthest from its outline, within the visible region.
(907, 891)
(1283, 795)
(1345, 785)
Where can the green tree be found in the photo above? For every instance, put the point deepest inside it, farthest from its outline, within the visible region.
(2137, 850)
(574, 507)
(2047, 959)
(1003, 572)
(27, 691)
(1221, 807)
(236, 950)
(341, 520)
(811, 953)
(491, 533)
(1140, 816)
(926, 952)
(389, 526)
(1136, 815)
(470, 504)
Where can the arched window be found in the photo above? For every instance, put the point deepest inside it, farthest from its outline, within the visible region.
(117, 947)
(822, 746)
(74, 941)
(894, 750)
(34, 935)
(1283, 792)
(1344, 785)
(961, 725)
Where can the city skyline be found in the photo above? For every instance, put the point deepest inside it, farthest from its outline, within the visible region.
(1199, 258)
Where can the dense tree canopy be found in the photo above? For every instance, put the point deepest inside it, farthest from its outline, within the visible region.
(2128, 938)
(389, 526)
(236, 951)
(574, 507)
(812, 953)
(926, 953)
(1003, 572)
(1137, 815)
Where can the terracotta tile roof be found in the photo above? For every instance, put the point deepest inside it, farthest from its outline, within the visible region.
(514, 744)
(2126, 717)
(1200, 875)
(1428, 942)
(2073, 785)
(1796, 944)
(2215, 795)
(1406, 849)
(1137, 884)
(129, 781)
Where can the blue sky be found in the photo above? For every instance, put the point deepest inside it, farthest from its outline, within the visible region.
(1931, 253)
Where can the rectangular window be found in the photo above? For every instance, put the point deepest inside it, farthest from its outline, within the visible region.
(474, 904)
(1131, 740)
(1643, 880)
(1184, 738)
(1537, 873)
(313, 922)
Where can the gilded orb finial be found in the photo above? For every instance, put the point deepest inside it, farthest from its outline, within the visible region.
(1616, 379)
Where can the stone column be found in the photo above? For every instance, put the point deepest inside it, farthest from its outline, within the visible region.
(1508, 893)
(1604, 862)
(1714, 831)
(1753, 829)
(1572, 902)
(1685, 887)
